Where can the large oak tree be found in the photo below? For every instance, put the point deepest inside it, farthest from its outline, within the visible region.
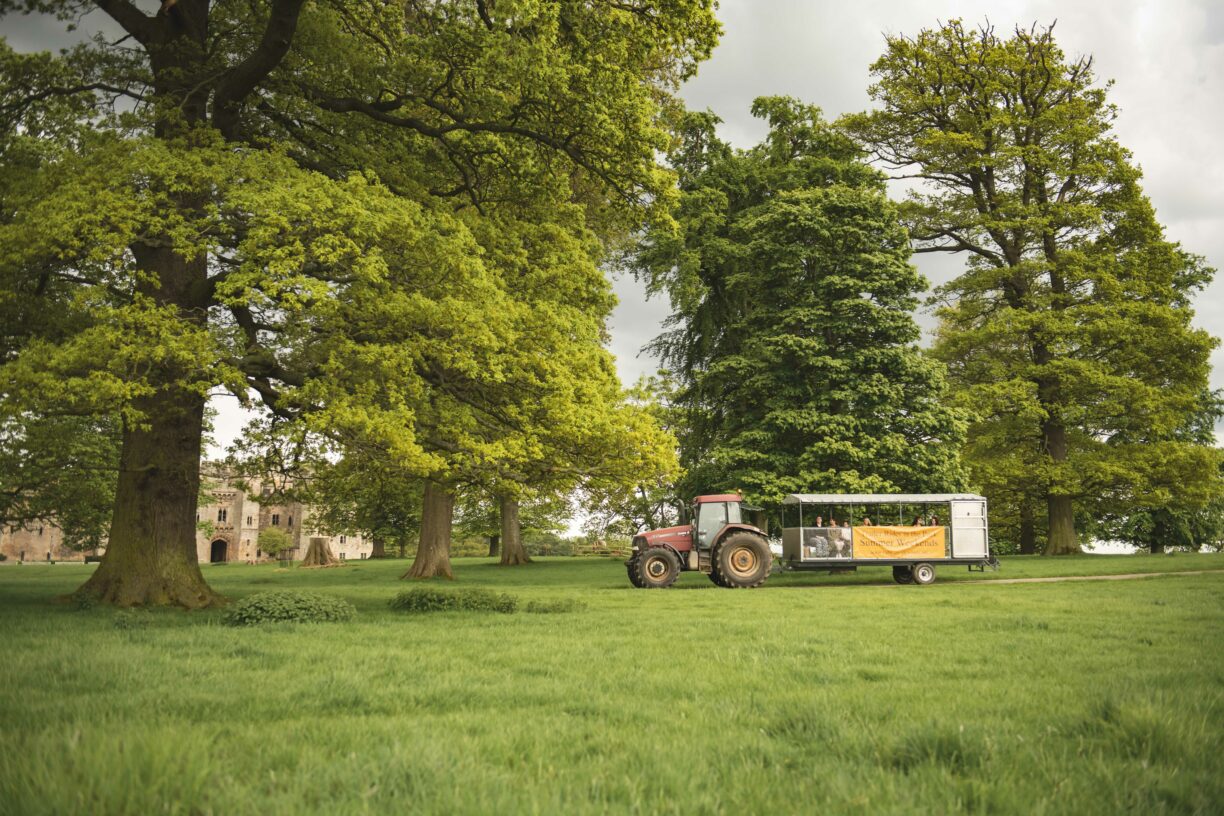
(282, 199)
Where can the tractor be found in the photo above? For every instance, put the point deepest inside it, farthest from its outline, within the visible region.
(718, 542)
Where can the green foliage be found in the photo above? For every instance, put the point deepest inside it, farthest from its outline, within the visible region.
(429, 599)
(382, 222)
(1069, 333)
(794, 344)
(273, 541)
(59, 470)
(287, 606)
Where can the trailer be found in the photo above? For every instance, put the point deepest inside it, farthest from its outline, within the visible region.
(910, 532)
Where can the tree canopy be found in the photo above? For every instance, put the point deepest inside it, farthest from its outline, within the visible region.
(793, 339)
(382, 222)
(1069, 332)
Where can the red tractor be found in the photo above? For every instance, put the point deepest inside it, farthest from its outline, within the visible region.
(717, 542)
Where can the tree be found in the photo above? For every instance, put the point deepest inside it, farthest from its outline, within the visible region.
(274, 541)
(793, 340)
(506, 523)
(59, 470)
(650, 501)
(1069, 332)
(279, 199)
(1188, 520)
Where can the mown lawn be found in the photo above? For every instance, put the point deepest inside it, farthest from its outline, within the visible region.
(815, 693)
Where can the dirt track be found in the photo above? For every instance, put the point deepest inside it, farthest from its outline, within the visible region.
(1057, 579)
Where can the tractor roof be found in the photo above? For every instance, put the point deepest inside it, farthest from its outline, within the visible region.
(721, 497)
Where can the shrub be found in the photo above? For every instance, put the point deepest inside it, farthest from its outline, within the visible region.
(430, 599)
(287, 606)
(554, 607)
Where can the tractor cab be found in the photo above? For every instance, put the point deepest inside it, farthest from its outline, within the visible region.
(717, 542)
(711, 514)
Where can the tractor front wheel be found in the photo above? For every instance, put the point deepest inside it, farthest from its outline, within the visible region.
(655, 568)
(632, 568)
(742, 560)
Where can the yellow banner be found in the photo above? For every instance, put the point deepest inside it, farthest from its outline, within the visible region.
(899, 542)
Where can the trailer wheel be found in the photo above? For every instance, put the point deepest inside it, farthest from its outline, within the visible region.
(656, 568)
(924, 574)
(903, 575)
(742, 560)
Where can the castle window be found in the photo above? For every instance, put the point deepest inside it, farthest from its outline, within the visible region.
(276, 519)
(222, 514)
(248, 521)
(341, 539)
(290, 524)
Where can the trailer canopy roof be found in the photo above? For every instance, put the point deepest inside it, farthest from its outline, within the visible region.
(879, 498)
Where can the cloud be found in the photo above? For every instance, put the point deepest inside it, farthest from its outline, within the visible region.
(1166, 60)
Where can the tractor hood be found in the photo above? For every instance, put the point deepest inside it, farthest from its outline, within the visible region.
(678, 538)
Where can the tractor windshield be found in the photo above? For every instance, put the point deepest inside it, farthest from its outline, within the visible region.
(711, 516)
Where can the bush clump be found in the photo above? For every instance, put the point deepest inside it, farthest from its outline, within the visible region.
(554, 607)
(429, 599)
(287, 606)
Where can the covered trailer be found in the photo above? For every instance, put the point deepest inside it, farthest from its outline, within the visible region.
(910, 532)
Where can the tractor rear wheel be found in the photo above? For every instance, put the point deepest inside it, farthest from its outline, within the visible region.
(716, 576)
(903, 575)
(656, 568)
(742, 560)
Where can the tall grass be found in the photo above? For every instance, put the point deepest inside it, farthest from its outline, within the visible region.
(842, 694)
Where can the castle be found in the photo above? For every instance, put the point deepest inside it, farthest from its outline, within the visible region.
(228, 527)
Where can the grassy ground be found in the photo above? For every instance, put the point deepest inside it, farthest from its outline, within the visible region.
(839, 697)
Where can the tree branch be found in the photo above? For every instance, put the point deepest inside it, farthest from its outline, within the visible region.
(131, 19)
(239, 81)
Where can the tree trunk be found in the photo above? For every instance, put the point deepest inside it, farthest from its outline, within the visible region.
(513, 553)
(1028, 529)
(319, 554)
(433, 549)
(1156, 543)
(150, 557)
(1062, 539)
(377, 548)
(494, 544)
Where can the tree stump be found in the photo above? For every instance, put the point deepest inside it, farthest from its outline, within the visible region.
(319, 554)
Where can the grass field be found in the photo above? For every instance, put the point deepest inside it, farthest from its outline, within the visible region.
(815, 693)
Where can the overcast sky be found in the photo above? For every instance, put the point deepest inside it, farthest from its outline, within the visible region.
(1166, 59)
